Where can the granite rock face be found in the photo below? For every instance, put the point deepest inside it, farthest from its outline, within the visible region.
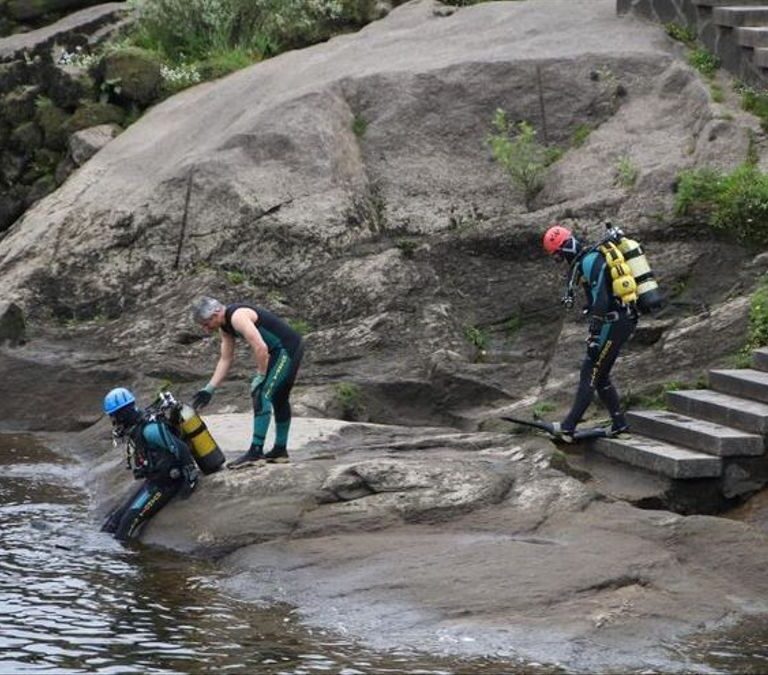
(349, 188)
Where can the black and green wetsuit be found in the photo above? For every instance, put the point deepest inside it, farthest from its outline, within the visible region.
(611, 324)
(165, 463)
(286, 348)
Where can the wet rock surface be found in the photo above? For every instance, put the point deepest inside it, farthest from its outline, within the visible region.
(456, 543)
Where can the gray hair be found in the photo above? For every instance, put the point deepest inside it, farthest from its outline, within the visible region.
(205, 308)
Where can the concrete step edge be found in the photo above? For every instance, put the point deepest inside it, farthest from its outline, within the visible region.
(663, 458)
(711, 437)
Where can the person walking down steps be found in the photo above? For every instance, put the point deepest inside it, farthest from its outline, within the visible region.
(277, 350)
(612, 321)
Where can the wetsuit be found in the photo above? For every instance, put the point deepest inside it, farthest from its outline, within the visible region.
(165, 463)
(611, 324)
(285, 351)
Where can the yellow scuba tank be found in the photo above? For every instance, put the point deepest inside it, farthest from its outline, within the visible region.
(649, 297)
(624, 286)
(206, 452)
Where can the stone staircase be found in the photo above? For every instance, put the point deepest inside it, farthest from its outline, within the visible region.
(735, 30)
(718, 434)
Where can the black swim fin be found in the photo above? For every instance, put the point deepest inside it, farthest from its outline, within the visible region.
(552, 430)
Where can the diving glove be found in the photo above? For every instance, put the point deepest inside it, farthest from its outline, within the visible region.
(201, 399)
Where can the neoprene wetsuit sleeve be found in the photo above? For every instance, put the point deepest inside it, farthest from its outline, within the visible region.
(594, 271)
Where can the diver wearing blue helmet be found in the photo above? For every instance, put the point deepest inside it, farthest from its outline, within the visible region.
(155, 454)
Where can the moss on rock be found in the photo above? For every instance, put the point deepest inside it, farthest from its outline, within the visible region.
(92, 114)
(130, 74)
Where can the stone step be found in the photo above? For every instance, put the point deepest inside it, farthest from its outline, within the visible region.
(721, 408)
(760, 57)
(733, 17)
(658, 457)
(752, 37)
(728, 3)
(699, 435)
(760, 356)
(744, 383)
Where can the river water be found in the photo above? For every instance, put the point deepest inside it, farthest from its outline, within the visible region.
(72, 600)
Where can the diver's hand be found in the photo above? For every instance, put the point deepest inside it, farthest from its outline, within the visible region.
(201, 399)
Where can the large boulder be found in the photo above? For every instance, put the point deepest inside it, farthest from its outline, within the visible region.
(349, 186)
(130, 74)
(86, 143)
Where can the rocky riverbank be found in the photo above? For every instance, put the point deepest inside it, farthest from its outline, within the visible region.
(447, 542)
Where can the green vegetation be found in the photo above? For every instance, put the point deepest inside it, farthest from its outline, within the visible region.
(523, 158)
(477, 337)
(703, 61)
(195, 30)
(758, 317)
(755, 102)
(580, 135)
(359, 126)
(626, 172)
(350, 398)
(716, 91)
(543, 408)
(734, 203)
(300, 326)
(681, 33)
(657, 399)
(407, 247)
(236, 277)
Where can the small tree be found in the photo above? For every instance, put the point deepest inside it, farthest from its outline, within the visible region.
(523, 158)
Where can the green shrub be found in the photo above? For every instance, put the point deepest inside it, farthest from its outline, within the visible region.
(359, 125)
(580, 134)
(300, 326)
(758, 317)
(407, 247)
(522, 157)
(735, 203)
(350, 398)
(543, 408)
(681, 33)
(194, 29)
(626, 172)
(236, 277)
(477, 337)
(705, 62)
(756, 102)
(716, 91)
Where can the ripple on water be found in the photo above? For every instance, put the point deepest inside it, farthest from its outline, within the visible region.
(73, 600)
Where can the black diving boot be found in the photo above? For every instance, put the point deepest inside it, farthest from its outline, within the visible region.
(277, 455)
(254, 455)
(619, 424)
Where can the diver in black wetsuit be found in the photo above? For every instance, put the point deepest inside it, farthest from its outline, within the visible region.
(611, 324)
(155, 454)
(277, 350)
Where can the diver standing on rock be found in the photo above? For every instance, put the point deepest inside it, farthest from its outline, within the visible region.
(155, 454)
(612, 321)
(277, 350)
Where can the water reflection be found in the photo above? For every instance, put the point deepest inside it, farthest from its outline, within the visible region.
(73, 600)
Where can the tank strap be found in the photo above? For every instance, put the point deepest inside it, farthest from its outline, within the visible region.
(195, 432)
